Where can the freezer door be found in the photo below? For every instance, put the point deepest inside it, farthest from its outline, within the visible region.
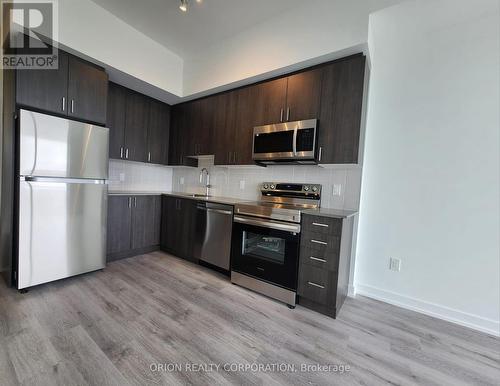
(62, 229)
(58, 147)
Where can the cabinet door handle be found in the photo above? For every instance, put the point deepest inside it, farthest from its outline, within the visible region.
(126, 153)
(130, 202)
(316, 285)
(281, 115)
(72, 106)
(135, 202)
(234, 157)
(318, 242)
(317, 259)
(320, 153)
(288, 114)
(149, 156)
(318, 224)
(121, 151)
(63, 103)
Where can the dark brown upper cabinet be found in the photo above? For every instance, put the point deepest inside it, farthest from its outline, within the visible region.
(303, 98)
(224, 134)
(191, 132)
(117, 97)
(341, 110)
(158, 132)
(267, 102)
(244, 122)
(179, 136)
(77, 89)
(223, 124)
(44, 89)
(87, 91)
(136, 127)
(139, 126)
(292, 98)
(201, 126)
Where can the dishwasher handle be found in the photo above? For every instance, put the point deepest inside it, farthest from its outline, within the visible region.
(212, 210)
(219, 211)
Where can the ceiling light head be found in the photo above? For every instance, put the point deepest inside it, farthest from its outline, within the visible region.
(183, 6)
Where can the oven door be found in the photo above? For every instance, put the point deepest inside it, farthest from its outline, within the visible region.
(267, 250)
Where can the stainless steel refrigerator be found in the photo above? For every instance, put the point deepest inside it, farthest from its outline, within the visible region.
(62, 201)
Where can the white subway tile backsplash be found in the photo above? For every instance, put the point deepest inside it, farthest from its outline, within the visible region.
(227, 181)
(134, 176)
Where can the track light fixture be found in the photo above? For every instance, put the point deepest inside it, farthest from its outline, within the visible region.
(184, 5)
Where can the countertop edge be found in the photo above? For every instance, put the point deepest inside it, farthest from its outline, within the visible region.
(323, 212)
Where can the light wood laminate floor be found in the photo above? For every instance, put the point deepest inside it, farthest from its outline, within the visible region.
(112, 327)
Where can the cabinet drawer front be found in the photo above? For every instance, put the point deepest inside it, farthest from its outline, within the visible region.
(321, 259)
(316, 284)
(321, 245)
(322, 225)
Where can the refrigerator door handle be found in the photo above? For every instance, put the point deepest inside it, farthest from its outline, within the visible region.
(64, 180)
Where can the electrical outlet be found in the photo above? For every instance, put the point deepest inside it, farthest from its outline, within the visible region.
(242, 185)
(122, 177)
(394, 264)
(181, 181)
(337, 189)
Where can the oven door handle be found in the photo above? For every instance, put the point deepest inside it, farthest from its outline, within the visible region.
(295, 228)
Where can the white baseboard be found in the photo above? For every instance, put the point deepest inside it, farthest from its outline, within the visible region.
(351, 291)
(475, 322)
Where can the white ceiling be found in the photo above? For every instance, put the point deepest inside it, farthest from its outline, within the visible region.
(205, 23)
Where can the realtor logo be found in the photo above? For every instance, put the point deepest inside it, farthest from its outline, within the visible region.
(29, 38)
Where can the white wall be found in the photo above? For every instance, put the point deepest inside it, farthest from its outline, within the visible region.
(95, 32)
(313, 33)
(430, 191)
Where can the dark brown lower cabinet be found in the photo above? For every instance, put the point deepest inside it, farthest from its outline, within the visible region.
(146, 217)
(178, 226)
(119, 225)
(325, 253)
(133, 225)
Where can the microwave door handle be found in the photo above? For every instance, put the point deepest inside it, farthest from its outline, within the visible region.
(295, 141)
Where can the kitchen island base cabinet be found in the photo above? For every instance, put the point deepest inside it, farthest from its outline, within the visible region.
(178, 227)
(324, 267)
(133, 225)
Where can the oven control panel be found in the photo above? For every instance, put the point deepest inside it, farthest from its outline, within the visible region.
(275, 188)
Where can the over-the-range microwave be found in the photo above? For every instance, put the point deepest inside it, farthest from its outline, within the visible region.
(286, 143)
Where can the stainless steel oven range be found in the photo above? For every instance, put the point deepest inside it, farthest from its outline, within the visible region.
(266, 236)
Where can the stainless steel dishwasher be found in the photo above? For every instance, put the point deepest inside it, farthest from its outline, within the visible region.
(214, 223)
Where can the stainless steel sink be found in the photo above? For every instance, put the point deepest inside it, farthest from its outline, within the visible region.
(197, 195)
